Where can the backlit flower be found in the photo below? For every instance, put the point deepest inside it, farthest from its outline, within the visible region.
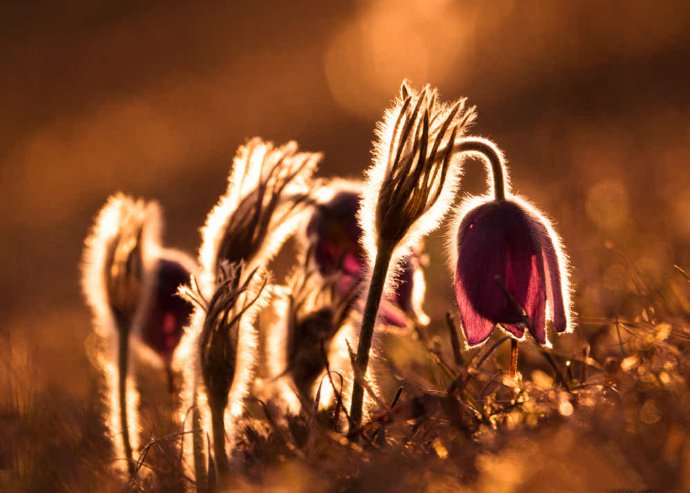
(267, 194)
(130, 283)
(229, 314)
(309, 313)
(336, 239)
(509, 270)
(408, 190)
(312, 332)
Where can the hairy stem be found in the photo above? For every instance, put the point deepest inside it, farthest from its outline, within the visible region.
(198, 448)
(491, 154)
(218, 427)
(513, 357)
(122, 363)
(371, 309)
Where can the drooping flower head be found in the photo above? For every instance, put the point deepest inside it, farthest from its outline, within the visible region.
(509, 268)
(335, 237)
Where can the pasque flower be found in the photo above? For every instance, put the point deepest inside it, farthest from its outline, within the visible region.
(267, 193)
(309, 313)
(335, 237)
(268, 188)
(231, 310)
(130, 282)
(509, 265)
(407, 192)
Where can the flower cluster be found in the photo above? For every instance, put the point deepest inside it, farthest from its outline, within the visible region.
(359, 271)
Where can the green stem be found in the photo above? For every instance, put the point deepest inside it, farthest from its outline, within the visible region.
(218, 427)
(123, 360)
(378, 281)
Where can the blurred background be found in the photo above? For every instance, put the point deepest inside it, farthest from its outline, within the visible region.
(589, 100)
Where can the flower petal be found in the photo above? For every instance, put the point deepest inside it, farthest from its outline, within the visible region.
(554, 285)
(535, 305)
(336, 232)
(391, 316)
(496, 253)
(168, 313)
(517, 331)
(477, 329)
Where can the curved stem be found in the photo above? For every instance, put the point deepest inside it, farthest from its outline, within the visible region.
(123, 357)
(492, 155)
(378, 281)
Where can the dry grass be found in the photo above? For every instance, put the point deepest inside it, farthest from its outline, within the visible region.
(608, 410)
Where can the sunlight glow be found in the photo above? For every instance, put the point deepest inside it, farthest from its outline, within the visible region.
(469, 203)
(379, 171)
(253, 165)
(120, 212)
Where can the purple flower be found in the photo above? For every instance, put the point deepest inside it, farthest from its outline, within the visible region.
(509, 268)
(335, 236)
(167, 313)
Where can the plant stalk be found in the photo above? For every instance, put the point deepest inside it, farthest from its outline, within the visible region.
(513, 357)
(122, 364)
(371, 308)
(198, 449)
(218, 427)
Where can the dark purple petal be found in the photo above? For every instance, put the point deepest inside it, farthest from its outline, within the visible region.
(535, 305)
(335, 232)
(554, 284)
(517, 330)
(168, 313)
(477, 329)
(392, 316)
(347, 285)
(499, 250)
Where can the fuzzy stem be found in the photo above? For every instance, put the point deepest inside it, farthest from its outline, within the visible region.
(218, 427)
(371, 309)
(198, 449)
(122, 363)
(513, 357)
(491, 155)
